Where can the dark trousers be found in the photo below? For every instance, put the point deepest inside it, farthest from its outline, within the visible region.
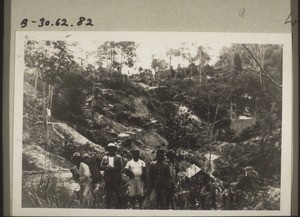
(213, 200)
(161, 202)
(158, 198)
(202, 201)
(170, 196)
(113, 189)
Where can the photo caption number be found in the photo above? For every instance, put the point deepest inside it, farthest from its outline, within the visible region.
(43, 22)
(61, 22)
(89, 22)
(24, 23)
(82, 19)
(64, 22)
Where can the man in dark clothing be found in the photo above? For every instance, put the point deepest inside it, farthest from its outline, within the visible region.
(112, 164)
(159, 180)
(203, 195)
(173, 163)
(213, 195)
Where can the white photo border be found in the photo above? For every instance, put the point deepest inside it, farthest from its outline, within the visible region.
(202, 37)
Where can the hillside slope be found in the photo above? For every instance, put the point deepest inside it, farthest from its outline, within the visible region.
(136, 116)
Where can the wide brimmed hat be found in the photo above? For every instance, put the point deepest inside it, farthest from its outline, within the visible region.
(76, 155)
(111, 145)
(86, 155)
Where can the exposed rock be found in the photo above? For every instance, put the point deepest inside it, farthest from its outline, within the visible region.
(36, 158)
(242, 123)
(145, 86)
(75, 141)
(103, 121)
(139, 107)
(152, 139)
(123, 135)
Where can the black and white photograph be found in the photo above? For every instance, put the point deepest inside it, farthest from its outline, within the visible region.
(153, 121)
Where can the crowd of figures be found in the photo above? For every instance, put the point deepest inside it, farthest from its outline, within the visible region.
(155, 183)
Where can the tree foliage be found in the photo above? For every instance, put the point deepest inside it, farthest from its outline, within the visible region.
(253, 72)
(112, 55)
(159, 65)
(52, 59)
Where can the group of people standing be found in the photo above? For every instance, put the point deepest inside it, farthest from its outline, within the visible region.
(89, 172)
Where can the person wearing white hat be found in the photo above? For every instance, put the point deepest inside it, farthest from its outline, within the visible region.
(112, 164)
(82, 174)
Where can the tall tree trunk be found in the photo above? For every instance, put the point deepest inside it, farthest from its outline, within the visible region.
(200, 73)
(111, 63)
(45, 114)
(231, 110)
(35, 91)
(200, 69)
(235, 94)
(93, 95)
(51, 98)
(213, 137)
(93, 84)
(123, 76)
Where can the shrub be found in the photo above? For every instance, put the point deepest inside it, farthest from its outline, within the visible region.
(49, 194)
